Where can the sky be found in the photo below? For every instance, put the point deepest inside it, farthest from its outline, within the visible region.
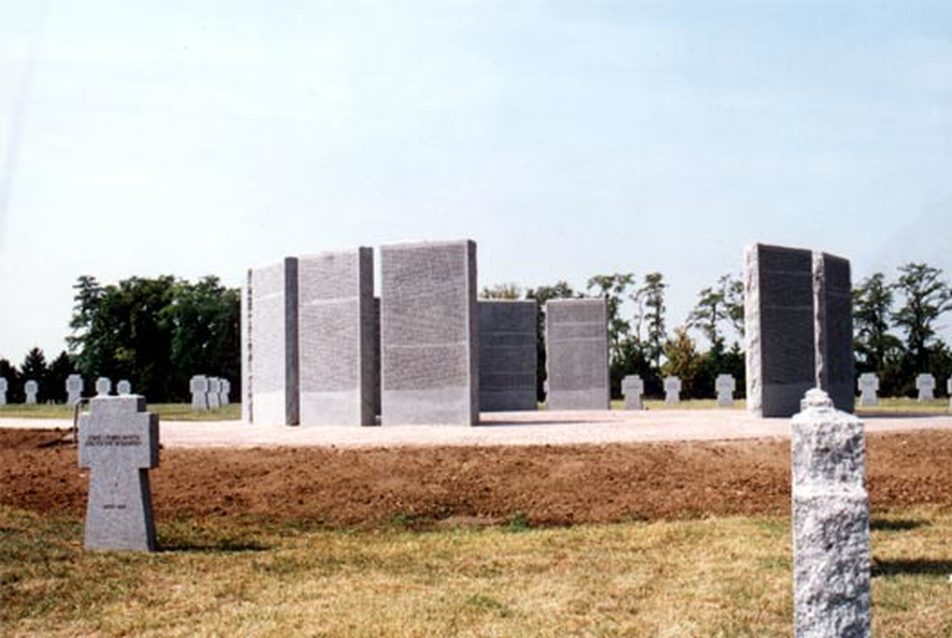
(567, 139)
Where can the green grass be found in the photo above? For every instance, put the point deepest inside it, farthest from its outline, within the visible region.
(167, 411)
(708, 577)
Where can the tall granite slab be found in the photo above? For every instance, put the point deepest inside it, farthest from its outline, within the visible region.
(198, 386)
(507, 355)
(798, 328)
(925, 384)
(632, 388)
(213, 396)
(247, 409)
(377, 358)
(336, 337)
(779, 328)
(724, 385)
(428, 325)
(831, 551)
(4, 386)
(576, 342)
(119, 442)
(74, 389)
(273, 338)
(833, 329)
(31, 388)
(868, 385)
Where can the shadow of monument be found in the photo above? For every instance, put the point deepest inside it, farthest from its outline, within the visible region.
(896, 525)
(911, 567)
(226, 546)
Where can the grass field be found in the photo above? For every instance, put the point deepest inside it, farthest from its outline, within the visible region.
(167, 411)
(706, 577)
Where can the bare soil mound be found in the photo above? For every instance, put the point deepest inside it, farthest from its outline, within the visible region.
(545, 485)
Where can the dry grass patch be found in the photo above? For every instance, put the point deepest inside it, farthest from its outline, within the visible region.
(711, 577)
(166, 411)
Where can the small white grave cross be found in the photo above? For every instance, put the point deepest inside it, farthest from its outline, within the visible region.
(672, 390)
(103, 386)
(868, 387)
(31, 387)
(198, 385)
(74, 389)
(632, 387)
(925, 384)
(725, 384)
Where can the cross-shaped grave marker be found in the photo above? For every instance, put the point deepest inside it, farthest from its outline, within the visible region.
(925, 384)
(31, 387)
(119, 443)
(672, 390)
(632, 387)
(725, 386)
(868, 385)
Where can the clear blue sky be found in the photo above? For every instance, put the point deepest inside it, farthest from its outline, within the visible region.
(566, 138)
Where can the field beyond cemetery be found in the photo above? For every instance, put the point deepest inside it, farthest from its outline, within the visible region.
(681, 539)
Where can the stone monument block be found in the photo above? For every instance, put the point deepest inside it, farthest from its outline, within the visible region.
(123, 387)
(198, 386)
(377, 386)
(4, 386)
(672, 390)
(576, 342)
(74, 389)
(725, 385)
(779, 328)
(833, 329)
(428, 325)
(247, 410)
(214, 393)
(632, 387)
(119, 442)
(868, 384)
(273, 342)
(224, 397)
(925, 384)
(103, 386)
(336, 327)
(830, 522)
(507, 355)
(31, 388)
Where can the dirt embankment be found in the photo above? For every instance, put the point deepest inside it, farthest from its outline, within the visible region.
(549, 485)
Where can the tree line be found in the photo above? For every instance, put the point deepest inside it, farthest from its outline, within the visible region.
(159, 332)
(154, 332)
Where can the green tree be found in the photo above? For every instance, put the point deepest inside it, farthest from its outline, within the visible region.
(60, 368)
(649, 300)
(612, 288)
(34, 367)
(682, 360)
(876, 349)
(501, 291)
(926, 297)
(542, 294)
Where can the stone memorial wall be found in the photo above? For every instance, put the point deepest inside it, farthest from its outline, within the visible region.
(428, 324)
(576, 341)
(336, 327)
(507, 355)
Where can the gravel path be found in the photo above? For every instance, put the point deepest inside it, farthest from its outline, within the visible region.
(504, 428)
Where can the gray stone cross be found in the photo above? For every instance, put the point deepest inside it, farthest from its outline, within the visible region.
(214, 393)
(868, 385)
(119, 442)
(632, 387)
(74, 389)
(124, 387)
(831, 554)
(725, 384)
(672, 390)
(31, 387)
(925, 384)
(198, 385)
(3, 390)
(103, 386)
(223, 396)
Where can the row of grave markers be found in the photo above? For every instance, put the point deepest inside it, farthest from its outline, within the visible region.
(633, 387)
(74, 389)
(868, 385)
(209, 393)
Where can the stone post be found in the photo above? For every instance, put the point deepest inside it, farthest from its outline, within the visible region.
(119, 442)
(830, 522)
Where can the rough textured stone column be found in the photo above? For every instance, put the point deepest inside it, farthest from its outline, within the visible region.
(830, 522)
(247, 409)
(428, 325)
(119, 442)
(273, 344)
(336, 332)
(779, 328)
(507, 355)
(833, 314)
(576, 342)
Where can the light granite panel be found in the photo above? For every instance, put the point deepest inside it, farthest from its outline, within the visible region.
(507, 355)
(336, 332)
(273, 340)
(428, 324)
(576, 341)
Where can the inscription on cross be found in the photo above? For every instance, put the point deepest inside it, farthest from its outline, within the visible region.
(119, 442)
